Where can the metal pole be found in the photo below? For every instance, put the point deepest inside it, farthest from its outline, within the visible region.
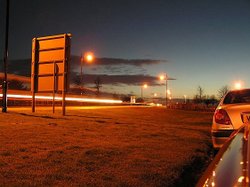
(141, 92)
(33, 70)
(81, 73)
(5, 83)
(166, 91)
(54, 87)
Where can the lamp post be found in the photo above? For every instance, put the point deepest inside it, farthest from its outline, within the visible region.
(5, 84)
(86, 57)
(185, 99)
(142, 87)
(165, 77)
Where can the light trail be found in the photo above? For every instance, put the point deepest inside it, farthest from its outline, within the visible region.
(111, 101)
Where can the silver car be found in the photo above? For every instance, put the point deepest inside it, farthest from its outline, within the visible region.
(228, 115)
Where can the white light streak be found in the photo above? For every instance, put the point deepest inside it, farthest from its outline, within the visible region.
(67, 98)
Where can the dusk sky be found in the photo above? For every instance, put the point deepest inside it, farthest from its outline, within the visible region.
(197, 42)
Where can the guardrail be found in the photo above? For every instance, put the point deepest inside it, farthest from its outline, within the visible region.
(231, 165)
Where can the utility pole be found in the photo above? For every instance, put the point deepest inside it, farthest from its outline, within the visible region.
(5, 82)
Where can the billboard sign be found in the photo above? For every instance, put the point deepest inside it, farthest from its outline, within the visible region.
(50, 65)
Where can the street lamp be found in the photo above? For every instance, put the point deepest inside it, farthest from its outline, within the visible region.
(167, 92)
(238, 85)
(5, 61)
(165, 77)
(143, 87)
(85, 58)
(185, 98)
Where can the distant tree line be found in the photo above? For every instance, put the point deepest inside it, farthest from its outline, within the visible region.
(97, 82)
(200, 97)
(15, 84)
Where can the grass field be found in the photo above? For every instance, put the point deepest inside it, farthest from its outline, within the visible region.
(137, 146)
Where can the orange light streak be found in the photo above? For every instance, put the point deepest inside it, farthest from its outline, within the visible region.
(67, 98)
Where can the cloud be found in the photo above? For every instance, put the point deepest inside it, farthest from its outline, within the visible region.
(75, 61)
(131, 62)
(132, 80)
(111, 66)
(113, 71)
(115, 65)
(117, 69)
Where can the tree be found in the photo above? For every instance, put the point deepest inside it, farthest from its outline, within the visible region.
(126, 98)
(77, 80)
(98, 85)
(222, 91)
(200, 91)
(15, 84)
(210, 100)
(198, 98)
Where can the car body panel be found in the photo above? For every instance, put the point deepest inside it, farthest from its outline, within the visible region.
(230, 167)
(234, 111)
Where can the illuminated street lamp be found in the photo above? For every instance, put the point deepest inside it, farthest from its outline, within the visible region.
(143, 87)
(165, 77)
(167, 92)
(238, 85)
(185, 98)
(85, 58)
(162, 77)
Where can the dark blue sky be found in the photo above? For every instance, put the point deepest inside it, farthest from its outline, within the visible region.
(201, 42)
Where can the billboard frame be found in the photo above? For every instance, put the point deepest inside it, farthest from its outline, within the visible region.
(50, 65)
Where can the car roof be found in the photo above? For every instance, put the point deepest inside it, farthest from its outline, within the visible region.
(227, 99)
(245, 89)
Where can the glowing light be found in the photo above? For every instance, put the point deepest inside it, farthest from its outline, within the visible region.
(162, 77)
(185, 98)
(89, 57)
(145, 86)
(241, 178)
(168, 92)
(238, 85)
(214, 174)
(67, 98)
(155, 94)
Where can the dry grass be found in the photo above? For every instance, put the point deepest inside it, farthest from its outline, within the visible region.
(105, 147)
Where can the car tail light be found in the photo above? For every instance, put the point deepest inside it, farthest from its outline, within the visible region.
(222, 117)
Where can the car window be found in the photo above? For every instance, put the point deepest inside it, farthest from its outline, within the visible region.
(241, 96)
